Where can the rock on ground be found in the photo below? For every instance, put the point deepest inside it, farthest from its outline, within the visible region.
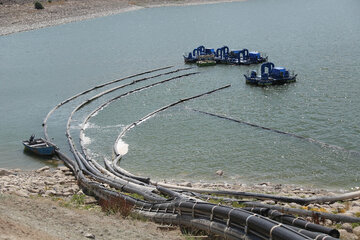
(344, 235)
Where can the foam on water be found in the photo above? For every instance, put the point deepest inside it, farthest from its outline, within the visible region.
(122, 147)
(84, 139)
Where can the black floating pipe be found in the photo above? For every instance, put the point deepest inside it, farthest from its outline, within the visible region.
(123, 172)
(143, 119)
(280, 132)
(109, 167)
(91, 89)
(113, 99)
(83, 162)
(220, 220)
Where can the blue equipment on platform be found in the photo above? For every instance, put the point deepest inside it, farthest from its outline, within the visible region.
(224, 55)
(270, 75)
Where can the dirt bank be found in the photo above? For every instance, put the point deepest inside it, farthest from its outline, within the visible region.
(45, 218)
(47, 204)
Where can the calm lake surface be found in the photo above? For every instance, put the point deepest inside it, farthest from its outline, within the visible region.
(319, 40)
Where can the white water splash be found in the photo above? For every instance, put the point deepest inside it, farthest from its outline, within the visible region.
(84, 139)
(88, 125)
(122, 147)
(97, 112)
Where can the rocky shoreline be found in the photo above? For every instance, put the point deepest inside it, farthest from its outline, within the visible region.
(20, 15)
(43, 182)
(60, 182)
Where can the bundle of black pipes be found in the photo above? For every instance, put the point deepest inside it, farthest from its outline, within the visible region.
(295, 221)
(178, 208)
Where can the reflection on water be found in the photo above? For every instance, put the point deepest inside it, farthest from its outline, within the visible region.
(51, 161)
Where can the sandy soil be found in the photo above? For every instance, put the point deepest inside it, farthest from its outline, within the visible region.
(40, 218)
(20, 15)
(48, 204)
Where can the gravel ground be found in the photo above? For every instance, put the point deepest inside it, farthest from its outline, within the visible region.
(40, 218)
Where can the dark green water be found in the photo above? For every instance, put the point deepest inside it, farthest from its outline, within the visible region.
(319, 40)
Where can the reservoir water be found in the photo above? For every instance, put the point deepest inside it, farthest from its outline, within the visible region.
(319, 40)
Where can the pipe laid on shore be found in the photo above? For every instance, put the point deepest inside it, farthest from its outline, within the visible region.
(217, 220)
(302, 212)
(294, 221)
(262, 196)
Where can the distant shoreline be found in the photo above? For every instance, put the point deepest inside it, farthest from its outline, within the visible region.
(20, 15)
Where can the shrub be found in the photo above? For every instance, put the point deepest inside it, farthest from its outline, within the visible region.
(116, 205)
(38, 5)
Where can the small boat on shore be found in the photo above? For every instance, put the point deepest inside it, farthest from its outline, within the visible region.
(270, 75)
(39, 146)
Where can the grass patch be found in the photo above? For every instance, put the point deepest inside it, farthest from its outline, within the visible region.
(238, 205)
(138, 217)
(217, 201)
(134, 195)
(77, 201)
(354, 225)
(338, 226)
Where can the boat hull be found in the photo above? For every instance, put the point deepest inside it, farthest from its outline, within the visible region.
(40, 147)
(269, 81)
(189, 60)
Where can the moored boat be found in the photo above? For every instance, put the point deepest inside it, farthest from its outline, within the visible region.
(270, 75)
(39, 146)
